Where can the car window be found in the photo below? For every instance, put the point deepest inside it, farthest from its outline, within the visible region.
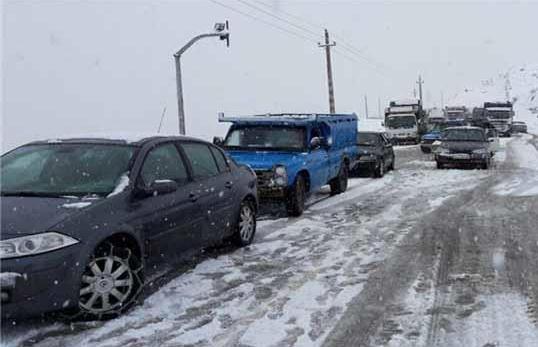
(202, 162)
(164, 163)
(221, 160)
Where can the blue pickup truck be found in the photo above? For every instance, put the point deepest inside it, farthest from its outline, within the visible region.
(294, 154)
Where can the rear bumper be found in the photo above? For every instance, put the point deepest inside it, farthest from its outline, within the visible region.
(365, 165)
(42, 283)
(471, 160)
(404, 140)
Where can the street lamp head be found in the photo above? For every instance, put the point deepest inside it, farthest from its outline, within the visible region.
(219, 27)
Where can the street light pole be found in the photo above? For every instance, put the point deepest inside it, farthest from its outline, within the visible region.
(221, 31)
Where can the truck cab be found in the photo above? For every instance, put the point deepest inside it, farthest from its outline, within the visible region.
(500, 115)
(402, 128)
(294, 155)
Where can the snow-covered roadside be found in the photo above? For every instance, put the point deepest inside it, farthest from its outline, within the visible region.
(523, 182)
(293, 284)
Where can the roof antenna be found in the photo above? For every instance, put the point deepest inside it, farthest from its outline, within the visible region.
(161, 122)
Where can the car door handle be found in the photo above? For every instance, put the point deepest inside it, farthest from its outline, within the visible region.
(229, 184)
(193, 197)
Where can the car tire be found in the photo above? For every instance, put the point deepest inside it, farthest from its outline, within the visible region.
(112, 278)
(246, 224)
(440, 165)
(379, 172)
(339, 184)
(391, 166)
(297, 197)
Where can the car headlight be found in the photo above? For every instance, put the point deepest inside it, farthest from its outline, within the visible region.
(34, 244)
(281, 175)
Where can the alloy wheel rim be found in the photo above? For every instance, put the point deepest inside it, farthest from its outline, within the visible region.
(246, 223)
(106, 284)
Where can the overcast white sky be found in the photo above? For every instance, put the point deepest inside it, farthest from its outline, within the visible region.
(72, 67)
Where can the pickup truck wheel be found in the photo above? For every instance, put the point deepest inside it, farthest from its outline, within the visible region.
(380, 170)
(339, 183)
(297, 197)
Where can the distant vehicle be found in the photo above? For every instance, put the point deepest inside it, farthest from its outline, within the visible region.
(500, 115)
(464, 146)
(434, 134)
(85, 220)
(519, 127)
(405, 121)
(456, 113)
(294, 154)
(435, 116)
(376, 154)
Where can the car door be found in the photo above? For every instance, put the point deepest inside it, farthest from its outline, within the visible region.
(168, 221)
(317, 161)
(212, 190)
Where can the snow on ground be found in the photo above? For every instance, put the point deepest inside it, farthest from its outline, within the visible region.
(291, 286)
(524, 182)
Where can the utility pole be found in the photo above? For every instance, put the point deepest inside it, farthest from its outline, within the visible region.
(221, 31)
(327, 47)
(379, 107)
(366, 105)
(420, 82)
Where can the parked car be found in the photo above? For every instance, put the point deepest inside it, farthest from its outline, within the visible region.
(84, 220)
(519, 127)
(467, 146)
(376, 154)
(294, 154)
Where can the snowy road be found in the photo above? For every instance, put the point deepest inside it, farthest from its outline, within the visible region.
(421, 257)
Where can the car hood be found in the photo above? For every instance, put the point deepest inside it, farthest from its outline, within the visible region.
(464, 146)
(265, 160)
(29, 215)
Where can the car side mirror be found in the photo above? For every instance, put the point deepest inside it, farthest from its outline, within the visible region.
(218, 141)
(160, 187)
(315, 142)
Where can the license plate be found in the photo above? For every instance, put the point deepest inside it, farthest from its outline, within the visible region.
(461, 156)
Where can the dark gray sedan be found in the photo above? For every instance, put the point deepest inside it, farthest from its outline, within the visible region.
(376, 154)
(85, 220)
(464, 146)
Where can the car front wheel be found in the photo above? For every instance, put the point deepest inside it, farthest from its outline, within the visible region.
(297, 197)
(246, 224)
(110, 283)
(339, 183)
(380, 170)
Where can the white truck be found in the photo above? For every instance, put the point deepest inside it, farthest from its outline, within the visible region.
(402, 121)
(500, 115)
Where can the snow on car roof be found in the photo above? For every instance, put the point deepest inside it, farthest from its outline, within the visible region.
(505, 108)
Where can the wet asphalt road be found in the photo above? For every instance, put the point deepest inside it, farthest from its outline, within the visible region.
(477, 245)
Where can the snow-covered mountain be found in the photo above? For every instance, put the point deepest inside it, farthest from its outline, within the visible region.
(518, 84)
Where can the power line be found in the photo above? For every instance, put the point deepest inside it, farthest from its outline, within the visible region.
(343, 44)
(264, 21)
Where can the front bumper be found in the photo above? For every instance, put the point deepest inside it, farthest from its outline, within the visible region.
(272, 193)
(42, 283)
(461, 158)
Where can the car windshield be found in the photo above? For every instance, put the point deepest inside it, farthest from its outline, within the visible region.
(401, 122)
(64, 169)
(498, 114)
(463, 135)
(267, 138)
(367, 139)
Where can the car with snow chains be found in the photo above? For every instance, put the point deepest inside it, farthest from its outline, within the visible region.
(464, 146)
(85, 220)
(294, 155)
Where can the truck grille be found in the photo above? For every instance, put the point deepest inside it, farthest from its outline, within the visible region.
(264, 177)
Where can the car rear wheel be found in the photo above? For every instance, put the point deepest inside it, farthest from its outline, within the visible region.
(440, 165)
(297, 197)
(246, 224)
(339, 183)
(111, 283)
